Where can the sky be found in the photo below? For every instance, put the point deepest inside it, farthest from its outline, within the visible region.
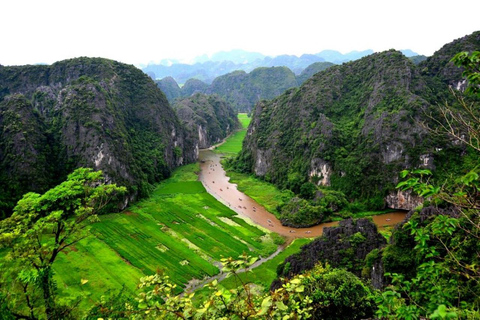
(142, 31)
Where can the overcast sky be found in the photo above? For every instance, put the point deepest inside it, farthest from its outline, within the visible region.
(141, 31)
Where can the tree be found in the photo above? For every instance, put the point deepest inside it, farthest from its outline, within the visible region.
(338, 294)
(41, 227)
(461, 122)
(158, 301)
(446, 282)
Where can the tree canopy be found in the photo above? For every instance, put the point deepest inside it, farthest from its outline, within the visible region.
(42, 226)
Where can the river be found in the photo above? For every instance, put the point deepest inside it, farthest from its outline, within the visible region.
(217, 184)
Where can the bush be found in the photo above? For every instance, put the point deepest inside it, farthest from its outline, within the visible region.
(338, 294)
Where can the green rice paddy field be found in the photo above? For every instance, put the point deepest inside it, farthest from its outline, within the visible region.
(180, 230)
(233, 145)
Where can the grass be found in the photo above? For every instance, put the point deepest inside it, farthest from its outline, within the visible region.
(181, 230)
(233, 145)
(263, 275)
(99, 265)
(265, 193)
(267, 272)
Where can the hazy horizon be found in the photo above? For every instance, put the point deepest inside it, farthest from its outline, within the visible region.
(45, 31)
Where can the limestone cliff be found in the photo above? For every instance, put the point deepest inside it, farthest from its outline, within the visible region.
(345, 246)
(355, 126)
(351, 127)
(208, 117)
(88, 112)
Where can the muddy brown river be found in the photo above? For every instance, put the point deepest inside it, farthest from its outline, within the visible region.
(217, 184)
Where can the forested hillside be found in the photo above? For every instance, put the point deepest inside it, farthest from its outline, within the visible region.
(208, 117)
(354, 127)
(241, 89)
(206, 68)
(88, 112)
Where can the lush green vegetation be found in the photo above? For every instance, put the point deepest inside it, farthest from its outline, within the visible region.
(433, 259)
(326, 121)
(85, 112)
(207, 117)
(323, 292)
(41, 228)
(181, 230)
(57, 252)
(262, 275)
(233, 145)
(265, 193)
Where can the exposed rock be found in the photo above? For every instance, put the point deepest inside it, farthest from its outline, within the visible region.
(345, 246)
(320, 170)
(432, 211)
(427, 161)
(377, 274)
(403, 200)
(87, 112)
(393, 152)
(209, 118)
(261, 163)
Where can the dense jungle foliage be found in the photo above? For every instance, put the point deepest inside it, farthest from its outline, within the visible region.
(85, 112)
(429, 269)
(354, 127)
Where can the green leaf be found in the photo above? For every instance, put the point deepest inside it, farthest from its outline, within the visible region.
(404, 173)
(300, 288)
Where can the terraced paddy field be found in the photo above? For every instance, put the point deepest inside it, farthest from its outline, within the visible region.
(262, 275)
(180, 230)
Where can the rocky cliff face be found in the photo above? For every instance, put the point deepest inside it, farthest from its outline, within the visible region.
(345, 246)
(351, 127)
(440, 70)
(354, 127)
(403, 200)
(209, 118)
(85, 112)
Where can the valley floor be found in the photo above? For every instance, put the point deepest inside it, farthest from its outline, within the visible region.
(182, 230)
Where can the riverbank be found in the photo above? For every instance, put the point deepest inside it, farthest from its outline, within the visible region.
(217, 183)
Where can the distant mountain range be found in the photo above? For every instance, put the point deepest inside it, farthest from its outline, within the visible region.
(207, 68)
(241, 89)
